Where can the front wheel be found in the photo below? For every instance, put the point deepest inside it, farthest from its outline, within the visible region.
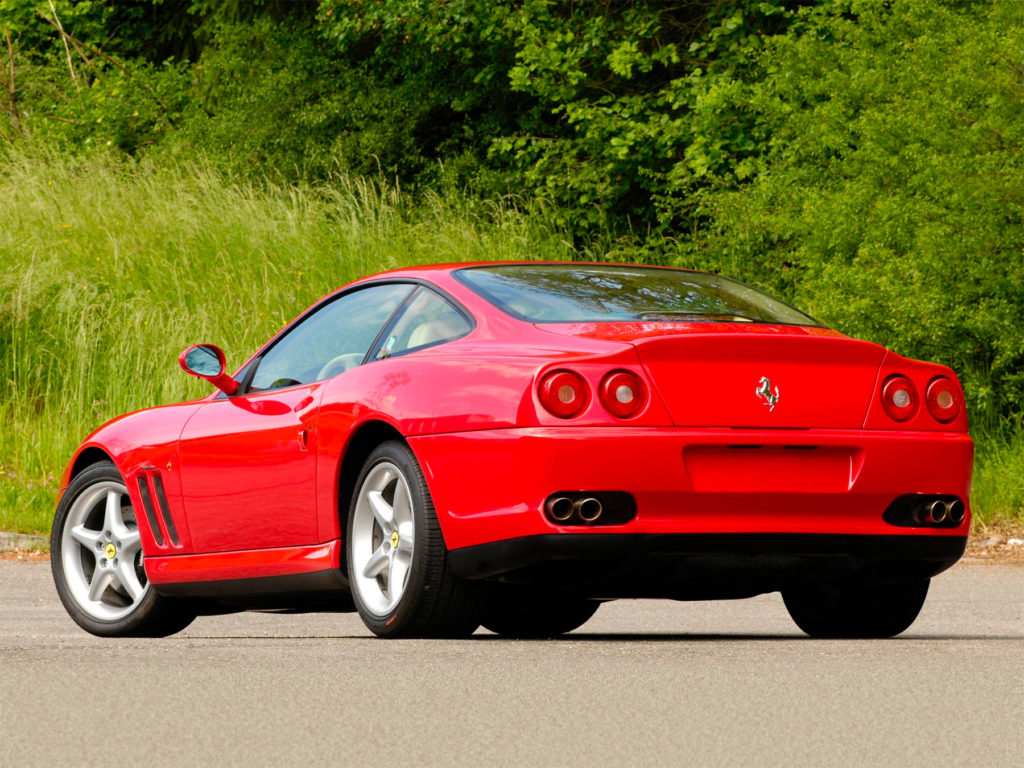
(397, 560)
(856, 610)
(97, 564)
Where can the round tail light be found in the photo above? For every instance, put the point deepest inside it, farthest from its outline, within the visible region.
(623, 394)
(943, 399)
(563, 393)
(899, 397)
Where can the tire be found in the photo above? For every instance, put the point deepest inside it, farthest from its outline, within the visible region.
(856, 611)
(97, 564)
(396, 557)
(530, 615)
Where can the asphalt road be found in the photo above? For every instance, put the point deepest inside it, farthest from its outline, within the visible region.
(643, 683)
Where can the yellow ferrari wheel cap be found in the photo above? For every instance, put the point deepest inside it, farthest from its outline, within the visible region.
(394, 539)
(110, 551)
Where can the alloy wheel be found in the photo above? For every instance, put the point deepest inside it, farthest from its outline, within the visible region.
(383, 538)
(101, 553)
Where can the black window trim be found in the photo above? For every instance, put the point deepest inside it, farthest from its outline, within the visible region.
(248, 371)
(243, 386)
(371, 356)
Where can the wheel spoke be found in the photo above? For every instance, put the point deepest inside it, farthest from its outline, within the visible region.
(126, 576)
(86, 537)
(383, 512)
(101, 579)
(378, 561)
(405, 538)
(130, 542)
(397, 575)
(385, 478)
(402, 509)
(112, 520)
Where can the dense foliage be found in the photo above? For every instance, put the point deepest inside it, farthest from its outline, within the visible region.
(888, 187)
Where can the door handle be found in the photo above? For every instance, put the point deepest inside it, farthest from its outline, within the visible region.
(303, 439)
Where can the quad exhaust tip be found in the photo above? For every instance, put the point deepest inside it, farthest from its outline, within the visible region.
(929, 510)
(583, 508)
(560, 508)
(956, 511)
(936, 512)
(589, 509)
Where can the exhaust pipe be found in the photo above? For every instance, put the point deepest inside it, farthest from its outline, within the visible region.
(956, 511)
(560, 508)
(935, 512)
(588, 509)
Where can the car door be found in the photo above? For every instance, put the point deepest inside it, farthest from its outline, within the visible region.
(248, 462)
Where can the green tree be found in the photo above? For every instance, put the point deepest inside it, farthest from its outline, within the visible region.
(886, 194)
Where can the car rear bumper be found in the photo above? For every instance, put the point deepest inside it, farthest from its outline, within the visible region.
(703, 566)
(491, 485)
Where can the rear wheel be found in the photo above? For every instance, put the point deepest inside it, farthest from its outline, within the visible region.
(397, 560)
(856, 610)
(534, 615)
(97, 562)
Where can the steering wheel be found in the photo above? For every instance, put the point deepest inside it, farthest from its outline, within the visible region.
(340, 364)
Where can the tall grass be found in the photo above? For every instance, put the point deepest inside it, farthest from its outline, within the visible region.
(107, 271)
(997, 495)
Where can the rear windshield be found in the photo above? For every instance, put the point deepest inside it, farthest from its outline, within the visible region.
(586, 293)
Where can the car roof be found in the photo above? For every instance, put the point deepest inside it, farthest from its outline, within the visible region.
(449, 267)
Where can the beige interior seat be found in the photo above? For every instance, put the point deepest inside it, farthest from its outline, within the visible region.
(429, 333)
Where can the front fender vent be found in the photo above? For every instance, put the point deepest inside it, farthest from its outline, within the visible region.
(151, 479)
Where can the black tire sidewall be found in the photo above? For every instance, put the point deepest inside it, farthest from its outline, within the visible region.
(856, 611)
(530, 614)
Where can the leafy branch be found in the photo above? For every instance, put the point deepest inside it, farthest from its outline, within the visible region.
(82, 48)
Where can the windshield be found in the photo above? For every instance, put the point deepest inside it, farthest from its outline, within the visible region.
(587, 293)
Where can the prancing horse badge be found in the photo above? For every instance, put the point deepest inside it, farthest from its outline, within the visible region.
(764, 391)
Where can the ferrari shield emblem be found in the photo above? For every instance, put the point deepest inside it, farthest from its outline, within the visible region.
(769, 396)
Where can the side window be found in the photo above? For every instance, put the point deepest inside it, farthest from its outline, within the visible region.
(333, 339)
(428, 319)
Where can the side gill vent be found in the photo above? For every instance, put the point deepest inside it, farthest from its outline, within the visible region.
(147, 504)
(161, 497)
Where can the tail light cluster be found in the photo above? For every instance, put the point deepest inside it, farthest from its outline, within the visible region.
(943, 399)
(902, 402)
(566, 394)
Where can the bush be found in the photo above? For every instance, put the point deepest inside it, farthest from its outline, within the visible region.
(886, 196)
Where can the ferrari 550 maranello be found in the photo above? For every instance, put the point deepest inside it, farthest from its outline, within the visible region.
(510, 445)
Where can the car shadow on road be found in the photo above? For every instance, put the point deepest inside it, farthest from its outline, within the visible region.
(659, 637)
(625, 637)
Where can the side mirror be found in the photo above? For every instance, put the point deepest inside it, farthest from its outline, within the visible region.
(206, 361)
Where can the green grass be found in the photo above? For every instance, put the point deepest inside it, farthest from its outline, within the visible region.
(107, 271)
(998, 490)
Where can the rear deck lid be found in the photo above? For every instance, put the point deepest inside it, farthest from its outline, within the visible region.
(756, 376)
(760, 380)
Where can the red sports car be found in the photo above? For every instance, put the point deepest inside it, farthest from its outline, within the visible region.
(511, 445)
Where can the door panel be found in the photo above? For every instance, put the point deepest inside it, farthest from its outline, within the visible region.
(248, 462)
(248, 470)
